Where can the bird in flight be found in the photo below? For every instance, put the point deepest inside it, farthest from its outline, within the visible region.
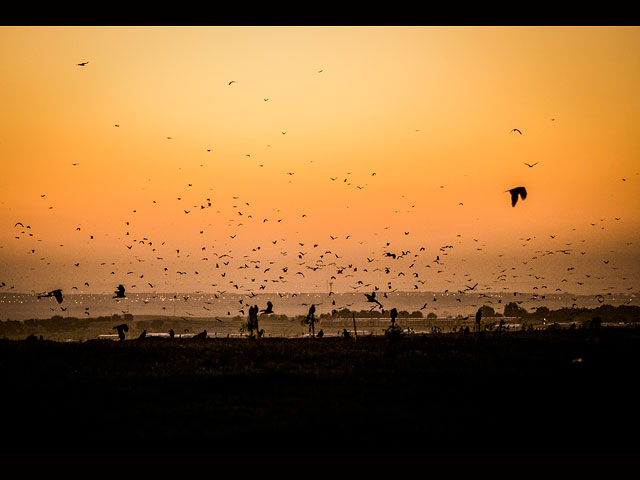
(530, 165)
(82, 64)
(516, 130)
(372, 298)
(514, 194)
(269, 308)
(54, 293)
(232, 81)
(119, 293)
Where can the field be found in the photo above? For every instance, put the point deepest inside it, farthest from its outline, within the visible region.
(566, 390)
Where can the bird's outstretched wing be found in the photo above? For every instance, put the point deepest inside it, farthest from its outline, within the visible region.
(514, 194)
(516, 130)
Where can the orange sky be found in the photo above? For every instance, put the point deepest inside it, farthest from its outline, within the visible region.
(429, 110)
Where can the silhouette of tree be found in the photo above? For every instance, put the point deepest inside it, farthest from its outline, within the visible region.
(512, 309)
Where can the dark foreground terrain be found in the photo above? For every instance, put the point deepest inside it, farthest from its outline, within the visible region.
(520, 391)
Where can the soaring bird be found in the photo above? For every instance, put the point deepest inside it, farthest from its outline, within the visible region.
(530, 165)
(232, 81)
(269, 308)
(119, 293)
(517, 130)
(514, 194)
(82, 64)
(202, 334)
(372, 298)
(54, 293)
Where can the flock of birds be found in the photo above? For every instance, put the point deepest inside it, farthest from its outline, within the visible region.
(327, 260)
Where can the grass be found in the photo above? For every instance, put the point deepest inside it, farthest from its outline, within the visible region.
(519, 391)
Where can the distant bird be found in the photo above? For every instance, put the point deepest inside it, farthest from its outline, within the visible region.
(269, 308)
(514, 194)
(142, 335)
(19, 223)
(82, 64)
(119, 293)
(54, 293)
(517, 130)
(172, 333)
(202, 334)
(530, 165)
(232, 81)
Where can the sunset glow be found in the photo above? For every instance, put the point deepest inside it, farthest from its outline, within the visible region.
(318, 150)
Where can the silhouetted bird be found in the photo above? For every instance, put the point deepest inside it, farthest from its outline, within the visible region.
(119, 293)
(517, 130)
(82, 64)
(54, 293)
(514, 194)
(202, 334)
(269, 308)
(121, 329)
(320, 334)
(531, 165)
(172, 333)
(142, 335)
(372, 298)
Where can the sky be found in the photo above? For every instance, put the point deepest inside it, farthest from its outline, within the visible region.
(283, 159)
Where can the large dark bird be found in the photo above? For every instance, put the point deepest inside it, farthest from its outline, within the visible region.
(54, 293)
(516, 130)
(372, 298)
(269, 308)
(514, 194)
(119, 293)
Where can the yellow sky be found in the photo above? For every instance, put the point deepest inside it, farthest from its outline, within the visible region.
(429, 110)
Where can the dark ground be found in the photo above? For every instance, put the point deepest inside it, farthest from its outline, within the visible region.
(519, 392)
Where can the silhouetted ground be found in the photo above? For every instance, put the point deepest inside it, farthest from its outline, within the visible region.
(523, 391)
